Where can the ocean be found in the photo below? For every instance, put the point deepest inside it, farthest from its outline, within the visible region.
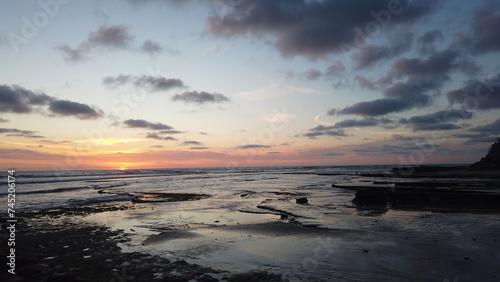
(370, 242)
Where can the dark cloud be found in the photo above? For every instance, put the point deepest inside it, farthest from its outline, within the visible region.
(115, 36)
(441, 116)
(377, 107)
(151, 47)
(191, 143)
(198, 148)
(430, 127)
(4, 120)
(253, 146)
(437, 121)
(485, 25)
(200, 97)
(364, 83)
(366, 122)
(491, 128)
(313, 28)
(424, 78)
(322, 130)
(16, 99)
(312, 74)
(438, 63)
(426, 42)
(479, 95)
(13, 132)
(78, 110)
(371, 54)
(116, 81)
(403, 138)
(476, 138)
(158, 83)
(147, 82)
(140, 123)
(170, 132)
(335, 69)
(159, 137)
(108, 38)
(157, 146)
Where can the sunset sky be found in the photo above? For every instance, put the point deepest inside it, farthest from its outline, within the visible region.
(186, 83)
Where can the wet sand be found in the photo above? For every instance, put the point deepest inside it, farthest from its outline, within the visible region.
(202, 239)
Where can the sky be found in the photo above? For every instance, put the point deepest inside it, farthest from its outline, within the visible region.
(136, 84)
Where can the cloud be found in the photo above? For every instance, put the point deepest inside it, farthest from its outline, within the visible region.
(200, 97)
(158, 83)
(4, 120)
(116, 81)
(322, 130)
(491, 128)
(437, 121)
(109, 37)
(476, 138)
(371, 54)
(171, 131)
(311, 28)
(147, 82)
(159, 137)
(140, 123)
(191, 143)
(115, 37)
(72, 54)
(485, 24)
(366, 122)
(151, 47)
(16, 99)
(479, 95)
(198, 148)
(441, 116)
(426, 42)
(253, 146)
(424, 77)
(69, 108)
(377, 107)
(13, 132)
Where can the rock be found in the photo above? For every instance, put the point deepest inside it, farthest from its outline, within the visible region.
(301, 200)
(492, 159)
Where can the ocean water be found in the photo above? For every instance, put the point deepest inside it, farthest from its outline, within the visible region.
(50, 189)
(356, 243)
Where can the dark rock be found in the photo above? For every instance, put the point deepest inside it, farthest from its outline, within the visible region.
(492, 159)
(301, 200)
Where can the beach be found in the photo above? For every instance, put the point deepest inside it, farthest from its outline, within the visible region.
(244, 225)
